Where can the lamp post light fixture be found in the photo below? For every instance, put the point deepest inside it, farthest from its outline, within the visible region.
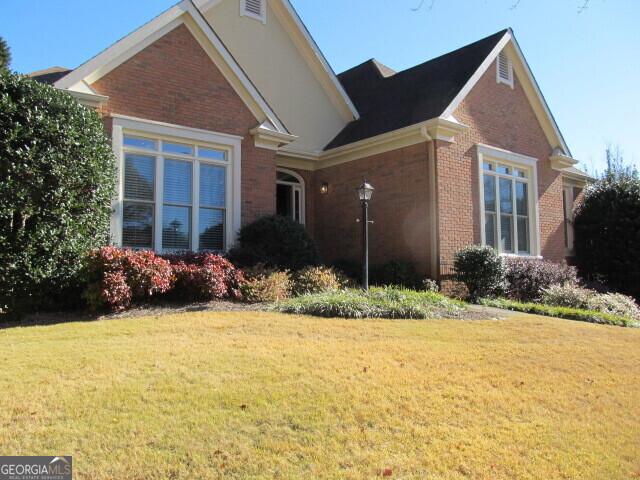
(365, 191)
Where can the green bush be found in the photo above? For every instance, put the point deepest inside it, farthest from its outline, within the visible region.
(388, 302)
(481, 270)
(57, 179)
(561, 312)
(276, 242)
(265, 285)
(395, 272)
(607, 231)
(316, 280)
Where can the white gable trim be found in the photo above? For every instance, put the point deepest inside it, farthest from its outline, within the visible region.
(504, 41)
(136, 41)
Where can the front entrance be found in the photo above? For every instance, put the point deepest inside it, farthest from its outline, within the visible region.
(290, 195)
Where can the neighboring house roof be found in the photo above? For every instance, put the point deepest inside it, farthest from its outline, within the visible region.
(389, 101)
(50, 75)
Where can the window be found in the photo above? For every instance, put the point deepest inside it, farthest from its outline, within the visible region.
(504, 69)
(175, 195)
(255, 9)
(507, 202)
(290, 195)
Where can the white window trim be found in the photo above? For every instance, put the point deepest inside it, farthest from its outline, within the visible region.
(489, 153)
(300, 186)
(499, 79)
(165, 131)
(263, 11)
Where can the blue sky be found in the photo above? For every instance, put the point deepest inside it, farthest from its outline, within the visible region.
(587, 64)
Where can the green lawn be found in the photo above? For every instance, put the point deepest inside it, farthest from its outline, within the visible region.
(266, 395)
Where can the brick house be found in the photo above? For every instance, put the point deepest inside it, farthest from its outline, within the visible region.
(222, 111)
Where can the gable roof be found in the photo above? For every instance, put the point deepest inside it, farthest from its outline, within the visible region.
(183, 12)
(50, 75)
(389, 101)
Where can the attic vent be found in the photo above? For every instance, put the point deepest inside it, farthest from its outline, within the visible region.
(505, 69)
(255, 9)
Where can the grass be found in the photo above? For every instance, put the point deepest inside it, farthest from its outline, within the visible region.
(263, 395)
(582, 315)
(379, 302)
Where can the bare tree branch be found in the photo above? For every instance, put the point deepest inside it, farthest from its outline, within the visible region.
(584, 6)
(515, 5)
(420, 5)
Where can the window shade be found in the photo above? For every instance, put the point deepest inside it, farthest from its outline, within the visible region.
(139, 177)
(211, 229)
(212, 186)
(177, 182)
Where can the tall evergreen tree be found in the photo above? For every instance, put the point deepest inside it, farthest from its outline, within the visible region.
(5, 54)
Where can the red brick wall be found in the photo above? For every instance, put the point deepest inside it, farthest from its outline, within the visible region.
(501, 117)
(399, 208)
(173, 80)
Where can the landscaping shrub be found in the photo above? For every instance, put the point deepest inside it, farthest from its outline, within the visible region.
(607, 231)
(275, 242)
(387, 302)
(350, 268)
(204, 277)
(430, 285)
(481, 270)
(57, 179)
(316, 280)
(528, 277)
(115, 277)
(395, 272)
(569, 295)
(614, 304)
(568, 313)
(265, 285)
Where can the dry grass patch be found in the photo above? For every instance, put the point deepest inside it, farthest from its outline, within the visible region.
(264, 395)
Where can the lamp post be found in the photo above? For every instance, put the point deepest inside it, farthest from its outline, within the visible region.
(364, 193)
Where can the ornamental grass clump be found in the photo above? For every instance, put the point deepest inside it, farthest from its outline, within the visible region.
(379, 302)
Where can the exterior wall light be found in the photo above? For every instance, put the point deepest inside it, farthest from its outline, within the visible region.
(324, 189)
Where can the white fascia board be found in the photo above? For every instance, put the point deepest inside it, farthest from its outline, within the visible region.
(136, 41)
(113, 53)
(484, 66)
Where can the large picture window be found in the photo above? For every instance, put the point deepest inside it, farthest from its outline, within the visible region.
(507, 194)
(175, 195)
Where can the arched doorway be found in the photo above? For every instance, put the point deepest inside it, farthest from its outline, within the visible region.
(290, 194)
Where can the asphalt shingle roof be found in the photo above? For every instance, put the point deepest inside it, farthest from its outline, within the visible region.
(387, 100)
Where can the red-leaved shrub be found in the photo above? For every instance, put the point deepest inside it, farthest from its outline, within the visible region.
(205, 276)
(116, 277)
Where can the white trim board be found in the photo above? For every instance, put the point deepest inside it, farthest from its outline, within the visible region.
(179, 14)
(230, 143)
(521, 66)
(531, 164)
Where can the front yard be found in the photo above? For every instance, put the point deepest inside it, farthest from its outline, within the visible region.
(265, 395)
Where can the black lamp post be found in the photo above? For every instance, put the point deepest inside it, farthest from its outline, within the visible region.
(364, 193)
